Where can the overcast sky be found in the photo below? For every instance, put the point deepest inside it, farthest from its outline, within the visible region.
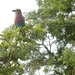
(6, 7)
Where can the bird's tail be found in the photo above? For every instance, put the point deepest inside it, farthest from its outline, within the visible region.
(22, 32)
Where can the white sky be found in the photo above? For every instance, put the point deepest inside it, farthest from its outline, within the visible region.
(6, 7)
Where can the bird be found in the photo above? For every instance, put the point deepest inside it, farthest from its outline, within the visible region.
(19, 20)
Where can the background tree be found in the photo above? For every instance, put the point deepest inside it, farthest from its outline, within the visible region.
(49, 41)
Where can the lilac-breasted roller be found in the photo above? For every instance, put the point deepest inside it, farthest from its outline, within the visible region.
(19, 20)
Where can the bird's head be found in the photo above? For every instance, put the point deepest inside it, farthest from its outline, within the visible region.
(17, 11)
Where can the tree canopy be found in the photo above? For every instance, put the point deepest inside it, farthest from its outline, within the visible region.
(49, 41)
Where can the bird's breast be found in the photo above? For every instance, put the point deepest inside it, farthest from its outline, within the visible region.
(18, 19)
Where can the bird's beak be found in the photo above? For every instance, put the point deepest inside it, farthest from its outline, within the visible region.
(14, 10)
